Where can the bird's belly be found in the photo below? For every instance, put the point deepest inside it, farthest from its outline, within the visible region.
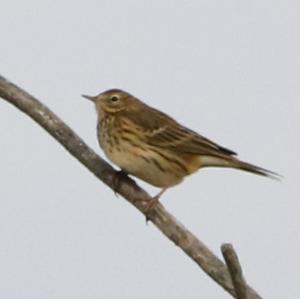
(144, 164)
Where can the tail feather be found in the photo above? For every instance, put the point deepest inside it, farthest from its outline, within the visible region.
(232, 162)
(256, 170)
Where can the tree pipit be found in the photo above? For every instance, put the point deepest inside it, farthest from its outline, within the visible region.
(147, 143)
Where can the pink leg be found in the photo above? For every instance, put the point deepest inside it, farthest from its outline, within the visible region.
(154, 201)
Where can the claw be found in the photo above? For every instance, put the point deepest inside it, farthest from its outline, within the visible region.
(153, 203)
(117, 179)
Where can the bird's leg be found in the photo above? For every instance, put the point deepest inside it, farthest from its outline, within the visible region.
(117, 178)
(153, 202)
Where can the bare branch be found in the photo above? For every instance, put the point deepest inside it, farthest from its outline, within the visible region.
(235, 271)
(164, 221)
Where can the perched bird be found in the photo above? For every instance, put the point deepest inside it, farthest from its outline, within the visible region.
(149, 144)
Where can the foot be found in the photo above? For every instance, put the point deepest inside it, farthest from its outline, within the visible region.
(117, 179)
(153, 203)
(150, 206)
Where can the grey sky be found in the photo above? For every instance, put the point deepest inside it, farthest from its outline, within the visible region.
(227, 69)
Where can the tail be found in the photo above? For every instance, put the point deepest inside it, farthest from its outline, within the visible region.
(256, 170)
(232, 162)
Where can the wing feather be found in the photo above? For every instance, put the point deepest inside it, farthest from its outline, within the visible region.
(181, 139)
(159, 129)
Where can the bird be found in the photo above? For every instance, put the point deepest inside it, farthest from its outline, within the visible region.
(153, 146)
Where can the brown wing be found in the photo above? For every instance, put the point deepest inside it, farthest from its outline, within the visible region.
(161, 130)
(184, 140)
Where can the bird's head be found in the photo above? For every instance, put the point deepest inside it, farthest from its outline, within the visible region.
(112, 101)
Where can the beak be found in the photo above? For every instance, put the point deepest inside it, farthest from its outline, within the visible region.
(93, 99)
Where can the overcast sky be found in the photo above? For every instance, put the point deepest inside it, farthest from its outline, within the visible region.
(227, 69)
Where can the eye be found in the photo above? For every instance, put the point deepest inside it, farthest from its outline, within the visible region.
(114, 98)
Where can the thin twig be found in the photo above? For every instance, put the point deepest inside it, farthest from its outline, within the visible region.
(235, 271)
(164, 221)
